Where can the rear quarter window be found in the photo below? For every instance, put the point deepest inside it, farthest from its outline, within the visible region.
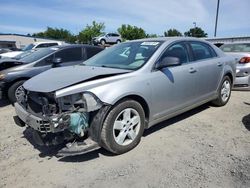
(202, 51)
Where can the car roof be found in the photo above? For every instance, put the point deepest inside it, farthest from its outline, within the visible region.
(46, 42)
(74, 46)
(164, 39)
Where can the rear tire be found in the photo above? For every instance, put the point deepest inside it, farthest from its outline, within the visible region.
(224, 92)
(12, 91)
(118, 41)
(123, 127)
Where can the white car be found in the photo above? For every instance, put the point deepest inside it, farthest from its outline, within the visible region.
(30, 47)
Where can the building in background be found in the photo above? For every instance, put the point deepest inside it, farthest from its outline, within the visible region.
(21, 40)
(218, 41)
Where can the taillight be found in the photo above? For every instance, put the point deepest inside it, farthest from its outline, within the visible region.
(244, 60)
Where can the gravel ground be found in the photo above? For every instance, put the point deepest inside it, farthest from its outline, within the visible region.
(205, 147)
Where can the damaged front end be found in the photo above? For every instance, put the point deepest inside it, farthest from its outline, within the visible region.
(66, 119)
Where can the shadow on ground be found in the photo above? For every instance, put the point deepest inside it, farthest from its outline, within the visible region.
(175, 119)
(52, 151)
(4, 103)
(246, 121)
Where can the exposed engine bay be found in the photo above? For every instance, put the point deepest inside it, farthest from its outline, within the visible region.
(59, 120)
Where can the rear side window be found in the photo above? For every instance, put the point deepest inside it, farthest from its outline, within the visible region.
(70, 54)
(202, 51)
(45, 45)
(92, 51)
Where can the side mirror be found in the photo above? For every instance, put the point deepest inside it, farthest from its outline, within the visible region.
(56, 61)
(168, 62)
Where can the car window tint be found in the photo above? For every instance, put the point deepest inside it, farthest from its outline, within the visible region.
(201, 51)
(70, 54)
(52, 44)
(91, 51)
(177, 50)
(46, 61)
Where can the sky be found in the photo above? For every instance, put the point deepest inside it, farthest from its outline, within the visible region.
(154, 16)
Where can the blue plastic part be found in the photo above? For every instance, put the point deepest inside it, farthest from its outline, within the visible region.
(78, 122)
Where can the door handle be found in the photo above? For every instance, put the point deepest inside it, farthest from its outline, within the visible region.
(192, 70)
(219, 64)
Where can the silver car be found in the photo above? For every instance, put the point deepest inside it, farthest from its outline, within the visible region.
(114, 96)
(108, 38)
(241, 52)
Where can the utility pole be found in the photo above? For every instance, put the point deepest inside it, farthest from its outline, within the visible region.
(216, 21)
(194, 28)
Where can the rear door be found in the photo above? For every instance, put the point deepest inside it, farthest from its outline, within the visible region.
(209, 69)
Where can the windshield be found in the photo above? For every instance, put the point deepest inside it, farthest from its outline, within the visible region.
(36, 55)
(24, 54)
(130, 55)
(29, 47)
(240, 47)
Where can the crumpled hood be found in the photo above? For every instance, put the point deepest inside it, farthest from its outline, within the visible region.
(58, 78)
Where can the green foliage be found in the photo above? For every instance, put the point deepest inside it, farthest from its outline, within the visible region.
(58, 34)
(129, 32)
(195, 32)
(172, 33)
(152, 36)
(90, 31)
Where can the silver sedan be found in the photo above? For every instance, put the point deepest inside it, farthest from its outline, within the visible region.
(241, 52)
(117, 94)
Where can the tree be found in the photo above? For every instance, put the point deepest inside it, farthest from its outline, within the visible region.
(58, 34)
(129, 32)
(195, 32)
(172, 33)
(152, 36)
(90, 31)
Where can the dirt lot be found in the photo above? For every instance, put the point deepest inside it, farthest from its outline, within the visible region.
(206, 147)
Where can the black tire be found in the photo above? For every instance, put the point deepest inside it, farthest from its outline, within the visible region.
(219, 101)
(12, 90)
(118, 41)
(107, 136)
(103, 42)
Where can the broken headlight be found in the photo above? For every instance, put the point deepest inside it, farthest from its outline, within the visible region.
(81, 102)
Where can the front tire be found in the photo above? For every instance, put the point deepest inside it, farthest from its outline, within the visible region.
(123, 127)
(103, 42)
(15, 91)
(224, 92)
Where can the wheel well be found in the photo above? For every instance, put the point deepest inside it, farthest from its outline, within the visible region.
(230, 76)
(16, 80)
(142, 102)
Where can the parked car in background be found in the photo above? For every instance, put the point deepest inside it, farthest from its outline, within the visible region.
(6, 63)
(118, 93)
(108, 38)
(11, 79)
(241, 52)
(4, 50)
(31, 46)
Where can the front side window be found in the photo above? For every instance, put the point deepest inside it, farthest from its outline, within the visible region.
(177, 50)
(70, 54)
(130, 55)
(201, 51)
(39, 54)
